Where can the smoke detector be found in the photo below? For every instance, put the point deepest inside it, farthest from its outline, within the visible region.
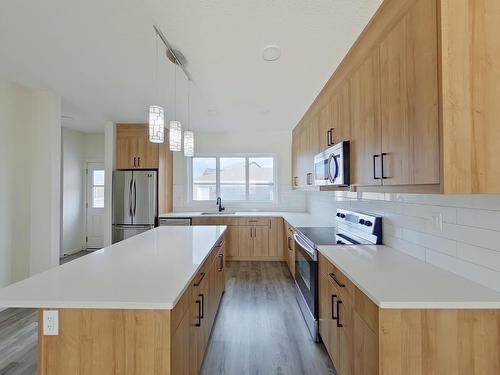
(271, 52)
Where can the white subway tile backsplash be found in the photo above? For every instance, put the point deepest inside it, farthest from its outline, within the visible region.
(468, 244)
(479, 218)
(479, 274)
(479, 256)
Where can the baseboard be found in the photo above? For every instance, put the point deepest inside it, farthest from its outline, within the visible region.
(71, 252)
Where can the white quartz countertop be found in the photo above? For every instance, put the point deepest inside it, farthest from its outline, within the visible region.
(148, 271)
(295, 219)
(394, 280)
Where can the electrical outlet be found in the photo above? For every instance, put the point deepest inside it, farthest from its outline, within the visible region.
(437, 221)
(50, 322)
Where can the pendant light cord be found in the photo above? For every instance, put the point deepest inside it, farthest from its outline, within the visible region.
(175, 91)
(156, 69)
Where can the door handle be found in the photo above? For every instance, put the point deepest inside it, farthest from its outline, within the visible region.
(198, 302)
(202, 316)
(200, 280)
(135, 197)
(375, 167)
(130, 199)
(332, 275)
(333, 307)
(338, 314)
(382, 159)
(221, 256)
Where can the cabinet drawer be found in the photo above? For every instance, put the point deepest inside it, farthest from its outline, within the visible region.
(254, 221)
(338, 279)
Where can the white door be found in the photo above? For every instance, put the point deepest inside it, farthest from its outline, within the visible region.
(95, 205)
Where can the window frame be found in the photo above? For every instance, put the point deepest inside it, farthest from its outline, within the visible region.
(247, 201)
(93, 185)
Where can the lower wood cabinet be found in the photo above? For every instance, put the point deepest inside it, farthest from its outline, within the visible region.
(250, 238)
(363, 339)
(289, 248)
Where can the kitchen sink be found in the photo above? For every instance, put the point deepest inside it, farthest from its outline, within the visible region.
(219, 213)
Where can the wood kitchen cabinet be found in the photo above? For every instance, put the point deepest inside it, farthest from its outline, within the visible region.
(421, 81)
(335, 118)
(253, 241)
(289, 251)
(276, 238)
(305, 145)
(363, 339)
(249, 238)
(133, 149)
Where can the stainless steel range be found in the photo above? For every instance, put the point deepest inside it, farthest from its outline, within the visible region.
(352, 228)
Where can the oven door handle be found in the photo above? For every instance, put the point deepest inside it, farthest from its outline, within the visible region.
(311, 251)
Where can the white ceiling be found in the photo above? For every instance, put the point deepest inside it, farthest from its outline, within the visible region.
(99, 55)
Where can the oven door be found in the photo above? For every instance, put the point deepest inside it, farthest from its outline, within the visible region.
(306, 274)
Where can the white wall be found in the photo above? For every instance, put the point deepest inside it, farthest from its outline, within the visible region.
(15, 184)
(270, 142)
(30, 150)
(78, 149)
(468, 245)
(45, 181)
(73, 191)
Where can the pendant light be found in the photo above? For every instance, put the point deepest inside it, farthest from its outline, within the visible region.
(188, 134)
(175, 132)
(156, 112)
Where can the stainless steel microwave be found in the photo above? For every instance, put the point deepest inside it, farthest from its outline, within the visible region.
(331, 167)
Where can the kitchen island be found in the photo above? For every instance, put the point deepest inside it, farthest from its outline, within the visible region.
(145, 305)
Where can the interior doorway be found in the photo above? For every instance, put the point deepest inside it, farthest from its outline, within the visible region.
(95, 206)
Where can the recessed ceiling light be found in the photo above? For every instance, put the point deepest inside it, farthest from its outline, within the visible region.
(271, 52)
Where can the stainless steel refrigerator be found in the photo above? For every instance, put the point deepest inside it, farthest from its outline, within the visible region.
(134, 203)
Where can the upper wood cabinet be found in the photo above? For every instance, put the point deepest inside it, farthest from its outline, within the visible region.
(305, 145)
(409, 99)
(133, 149)
(365, 142)
(421, 82)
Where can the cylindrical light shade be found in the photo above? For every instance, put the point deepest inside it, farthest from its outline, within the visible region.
(188, 143)
(175, 136)
(156, 124)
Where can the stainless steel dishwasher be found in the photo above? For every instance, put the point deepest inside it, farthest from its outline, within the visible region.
(175, 221)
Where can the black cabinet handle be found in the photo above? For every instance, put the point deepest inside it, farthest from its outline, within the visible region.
(134, 160)
(375, 167)
(289, 243)
(330, 140)
(221, 256)
(203, 305)
(198, 302)
(332, 275)
(200, 280)
(338, 314)
(333, 306)
(383, 176)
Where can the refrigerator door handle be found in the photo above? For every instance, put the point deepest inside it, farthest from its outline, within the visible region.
(130, 199)
(135, 197)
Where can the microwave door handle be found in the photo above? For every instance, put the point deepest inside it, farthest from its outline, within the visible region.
(329, 174)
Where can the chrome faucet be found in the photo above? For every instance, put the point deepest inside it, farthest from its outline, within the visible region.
(219, 203)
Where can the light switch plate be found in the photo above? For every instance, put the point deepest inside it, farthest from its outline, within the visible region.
(50, 322)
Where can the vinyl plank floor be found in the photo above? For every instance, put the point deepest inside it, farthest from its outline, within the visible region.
(260, 329)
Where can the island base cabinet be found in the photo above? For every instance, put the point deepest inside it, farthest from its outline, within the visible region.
(138, 342)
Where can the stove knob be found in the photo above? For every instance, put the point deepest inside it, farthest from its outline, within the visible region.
(368, 223)
(340, 242)
(338, 214)
(342, 216)
(361, 221)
